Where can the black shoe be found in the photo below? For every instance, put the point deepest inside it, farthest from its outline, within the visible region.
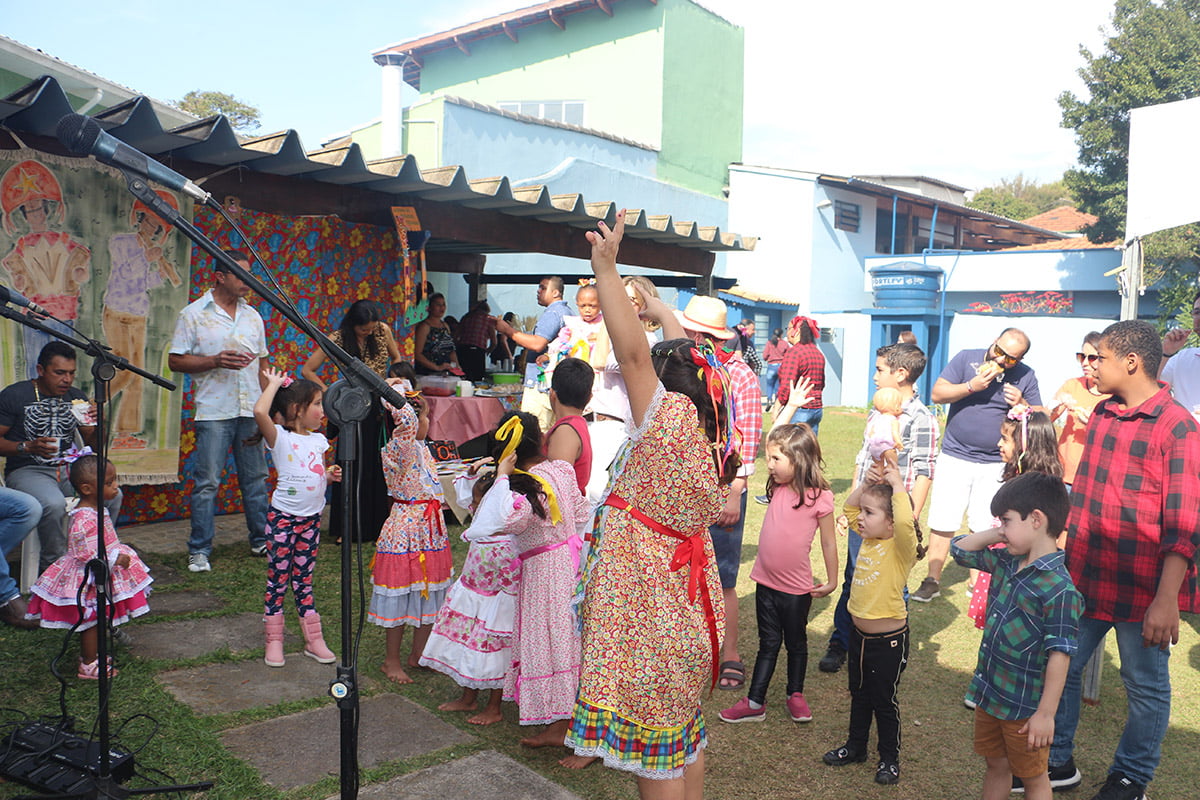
(762, 499)
(1119, 787)
(833, 659)
(887, 773)
(842, 756)
(1062, 778)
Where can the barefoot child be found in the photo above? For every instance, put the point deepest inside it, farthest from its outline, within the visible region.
(294, 519)
(543, 510)
(882, 514)
(412, 566)
(472, 636)
(568, 439)
(801, 504)
(55, 595)
(1024, 657)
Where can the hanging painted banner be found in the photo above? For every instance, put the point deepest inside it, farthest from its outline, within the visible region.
(75, 241)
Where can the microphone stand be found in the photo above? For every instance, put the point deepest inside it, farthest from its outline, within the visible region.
(348, 402)
(105, 364)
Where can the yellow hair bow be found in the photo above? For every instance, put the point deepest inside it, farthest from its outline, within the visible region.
(511, 433)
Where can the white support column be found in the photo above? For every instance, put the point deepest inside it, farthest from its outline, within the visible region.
(392, 107)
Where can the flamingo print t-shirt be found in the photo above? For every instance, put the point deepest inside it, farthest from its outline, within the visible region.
(300, 463)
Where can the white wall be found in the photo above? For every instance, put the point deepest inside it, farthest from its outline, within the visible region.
(1020, 271)
(776, 207)
(857, 356)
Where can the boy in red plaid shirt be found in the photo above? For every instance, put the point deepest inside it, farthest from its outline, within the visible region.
(1133, 533)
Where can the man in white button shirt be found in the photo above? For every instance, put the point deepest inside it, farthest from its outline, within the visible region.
(220, 341)
(1181, 365)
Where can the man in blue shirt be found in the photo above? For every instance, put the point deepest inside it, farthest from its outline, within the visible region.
(536, 398)
(980, 386)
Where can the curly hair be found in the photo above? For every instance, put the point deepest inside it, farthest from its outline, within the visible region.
(882, 493)
(678, 372)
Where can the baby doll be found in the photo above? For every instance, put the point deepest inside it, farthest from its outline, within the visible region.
(883, 429)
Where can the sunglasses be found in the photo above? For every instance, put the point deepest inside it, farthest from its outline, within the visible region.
(1004, 357)
(1087, 358)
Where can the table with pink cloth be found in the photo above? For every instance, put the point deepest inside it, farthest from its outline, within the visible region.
(461, 419)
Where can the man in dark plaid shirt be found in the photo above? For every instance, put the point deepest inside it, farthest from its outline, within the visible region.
(474, 338)
(1134, 529)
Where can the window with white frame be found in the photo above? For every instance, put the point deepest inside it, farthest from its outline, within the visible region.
(566, 111)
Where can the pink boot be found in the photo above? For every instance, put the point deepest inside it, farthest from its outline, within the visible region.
(273, 624)
(314, 642)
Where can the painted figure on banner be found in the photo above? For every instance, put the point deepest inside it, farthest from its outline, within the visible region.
(45, 265)
(139, 263)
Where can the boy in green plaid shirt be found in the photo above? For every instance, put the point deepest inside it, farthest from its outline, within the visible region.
(1030, 634)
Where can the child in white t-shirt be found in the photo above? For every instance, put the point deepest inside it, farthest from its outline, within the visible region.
(294, 519)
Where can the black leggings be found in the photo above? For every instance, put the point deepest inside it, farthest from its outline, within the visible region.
(782, 619)
(876, 661)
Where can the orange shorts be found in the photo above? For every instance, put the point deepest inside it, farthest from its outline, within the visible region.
(998, 738)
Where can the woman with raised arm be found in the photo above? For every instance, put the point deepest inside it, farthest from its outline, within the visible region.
(651, 600)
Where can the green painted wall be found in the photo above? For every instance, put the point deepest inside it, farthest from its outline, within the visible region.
(703, 66)
(368, 139)
(11, 82)
(613, 64)
(423, 124)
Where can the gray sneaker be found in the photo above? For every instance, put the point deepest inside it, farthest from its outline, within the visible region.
(259, 549)
(928, 590)
(198, 562)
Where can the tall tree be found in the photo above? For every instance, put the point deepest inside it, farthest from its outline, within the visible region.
(242, 116)
(1018, 198)
(1152, 56)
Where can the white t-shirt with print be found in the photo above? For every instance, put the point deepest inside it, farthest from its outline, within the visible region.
(300, 464)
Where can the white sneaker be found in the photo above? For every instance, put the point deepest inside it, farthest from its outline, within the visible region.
(198, 562)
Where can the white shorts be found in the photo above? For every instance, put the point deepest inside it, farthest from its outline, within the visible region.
(960, 486)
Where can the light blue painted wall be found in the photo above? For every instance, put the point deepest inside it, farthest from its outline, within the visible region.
(487, 144)
(838, 255)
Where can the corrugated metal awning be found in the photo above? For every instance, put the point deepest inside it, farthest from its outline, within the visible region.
(467, 216)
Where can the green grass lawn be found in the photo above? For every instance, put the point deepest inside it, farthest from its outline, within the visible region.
(775, 759)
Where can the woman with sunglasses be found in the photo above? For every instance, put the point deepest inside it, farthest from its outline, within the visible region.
(1074, 401)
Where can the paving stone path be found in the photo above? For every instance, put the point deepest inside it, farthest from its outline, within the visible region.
(282, 749)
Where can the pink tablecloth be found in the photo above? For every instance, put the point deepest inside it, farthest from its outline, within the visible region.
(460, 419)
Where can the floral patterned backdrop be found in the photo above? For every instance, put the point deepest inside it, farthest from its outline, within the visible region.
(323, 264)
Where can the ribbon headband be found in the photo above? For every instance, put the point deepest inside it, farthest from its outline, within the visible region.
(512, 433)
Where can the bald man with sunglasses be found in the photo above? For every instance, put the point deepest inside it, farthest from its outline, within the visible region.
(980, 386)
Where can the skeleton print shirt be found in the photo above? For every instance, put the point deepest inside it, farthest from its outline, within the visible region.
(29, 414)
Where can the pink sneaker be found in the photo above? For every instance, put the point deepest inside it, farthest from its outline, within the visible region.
(798, 707)
(742, 712)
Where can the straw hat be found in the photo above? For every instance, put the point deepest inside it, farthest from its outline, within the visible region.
(707, 315)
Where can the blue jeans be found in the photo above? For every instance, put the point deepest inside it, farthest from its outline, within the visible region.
(19, 515)
(842, 624)
(809, 416)
(771, 382)
(214, 438)
(49, 486)
(727, 547)
(1148, 695)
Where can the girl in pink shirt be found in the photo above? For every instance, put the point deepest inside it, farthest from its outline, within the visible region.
(800, 504)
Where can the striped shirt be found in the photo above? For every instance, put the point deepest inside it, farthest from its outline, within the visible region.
(1031, 612)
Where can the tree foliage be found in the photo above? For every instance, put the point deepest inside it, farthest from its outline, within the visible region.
(1152, 56)
(242, 116)
(1018, 198)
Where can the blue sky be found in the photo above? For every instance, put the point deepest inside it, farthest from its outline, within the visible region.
(961, 91)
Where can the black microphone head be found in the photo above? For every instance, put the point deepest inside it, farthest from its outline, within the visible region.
(78, 133)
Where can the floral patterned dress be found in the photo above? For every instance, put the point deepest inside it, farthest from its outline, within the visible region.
(53, 600)
(471, 640)
(412, 566)
(649, 627)
(544, 675)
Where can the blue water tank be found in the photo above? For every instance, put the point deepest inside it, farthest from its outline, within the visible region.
(905, 284)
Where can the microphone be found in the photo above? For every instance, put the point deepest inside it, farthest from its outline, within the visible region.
(82, 136)
(9, 296)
